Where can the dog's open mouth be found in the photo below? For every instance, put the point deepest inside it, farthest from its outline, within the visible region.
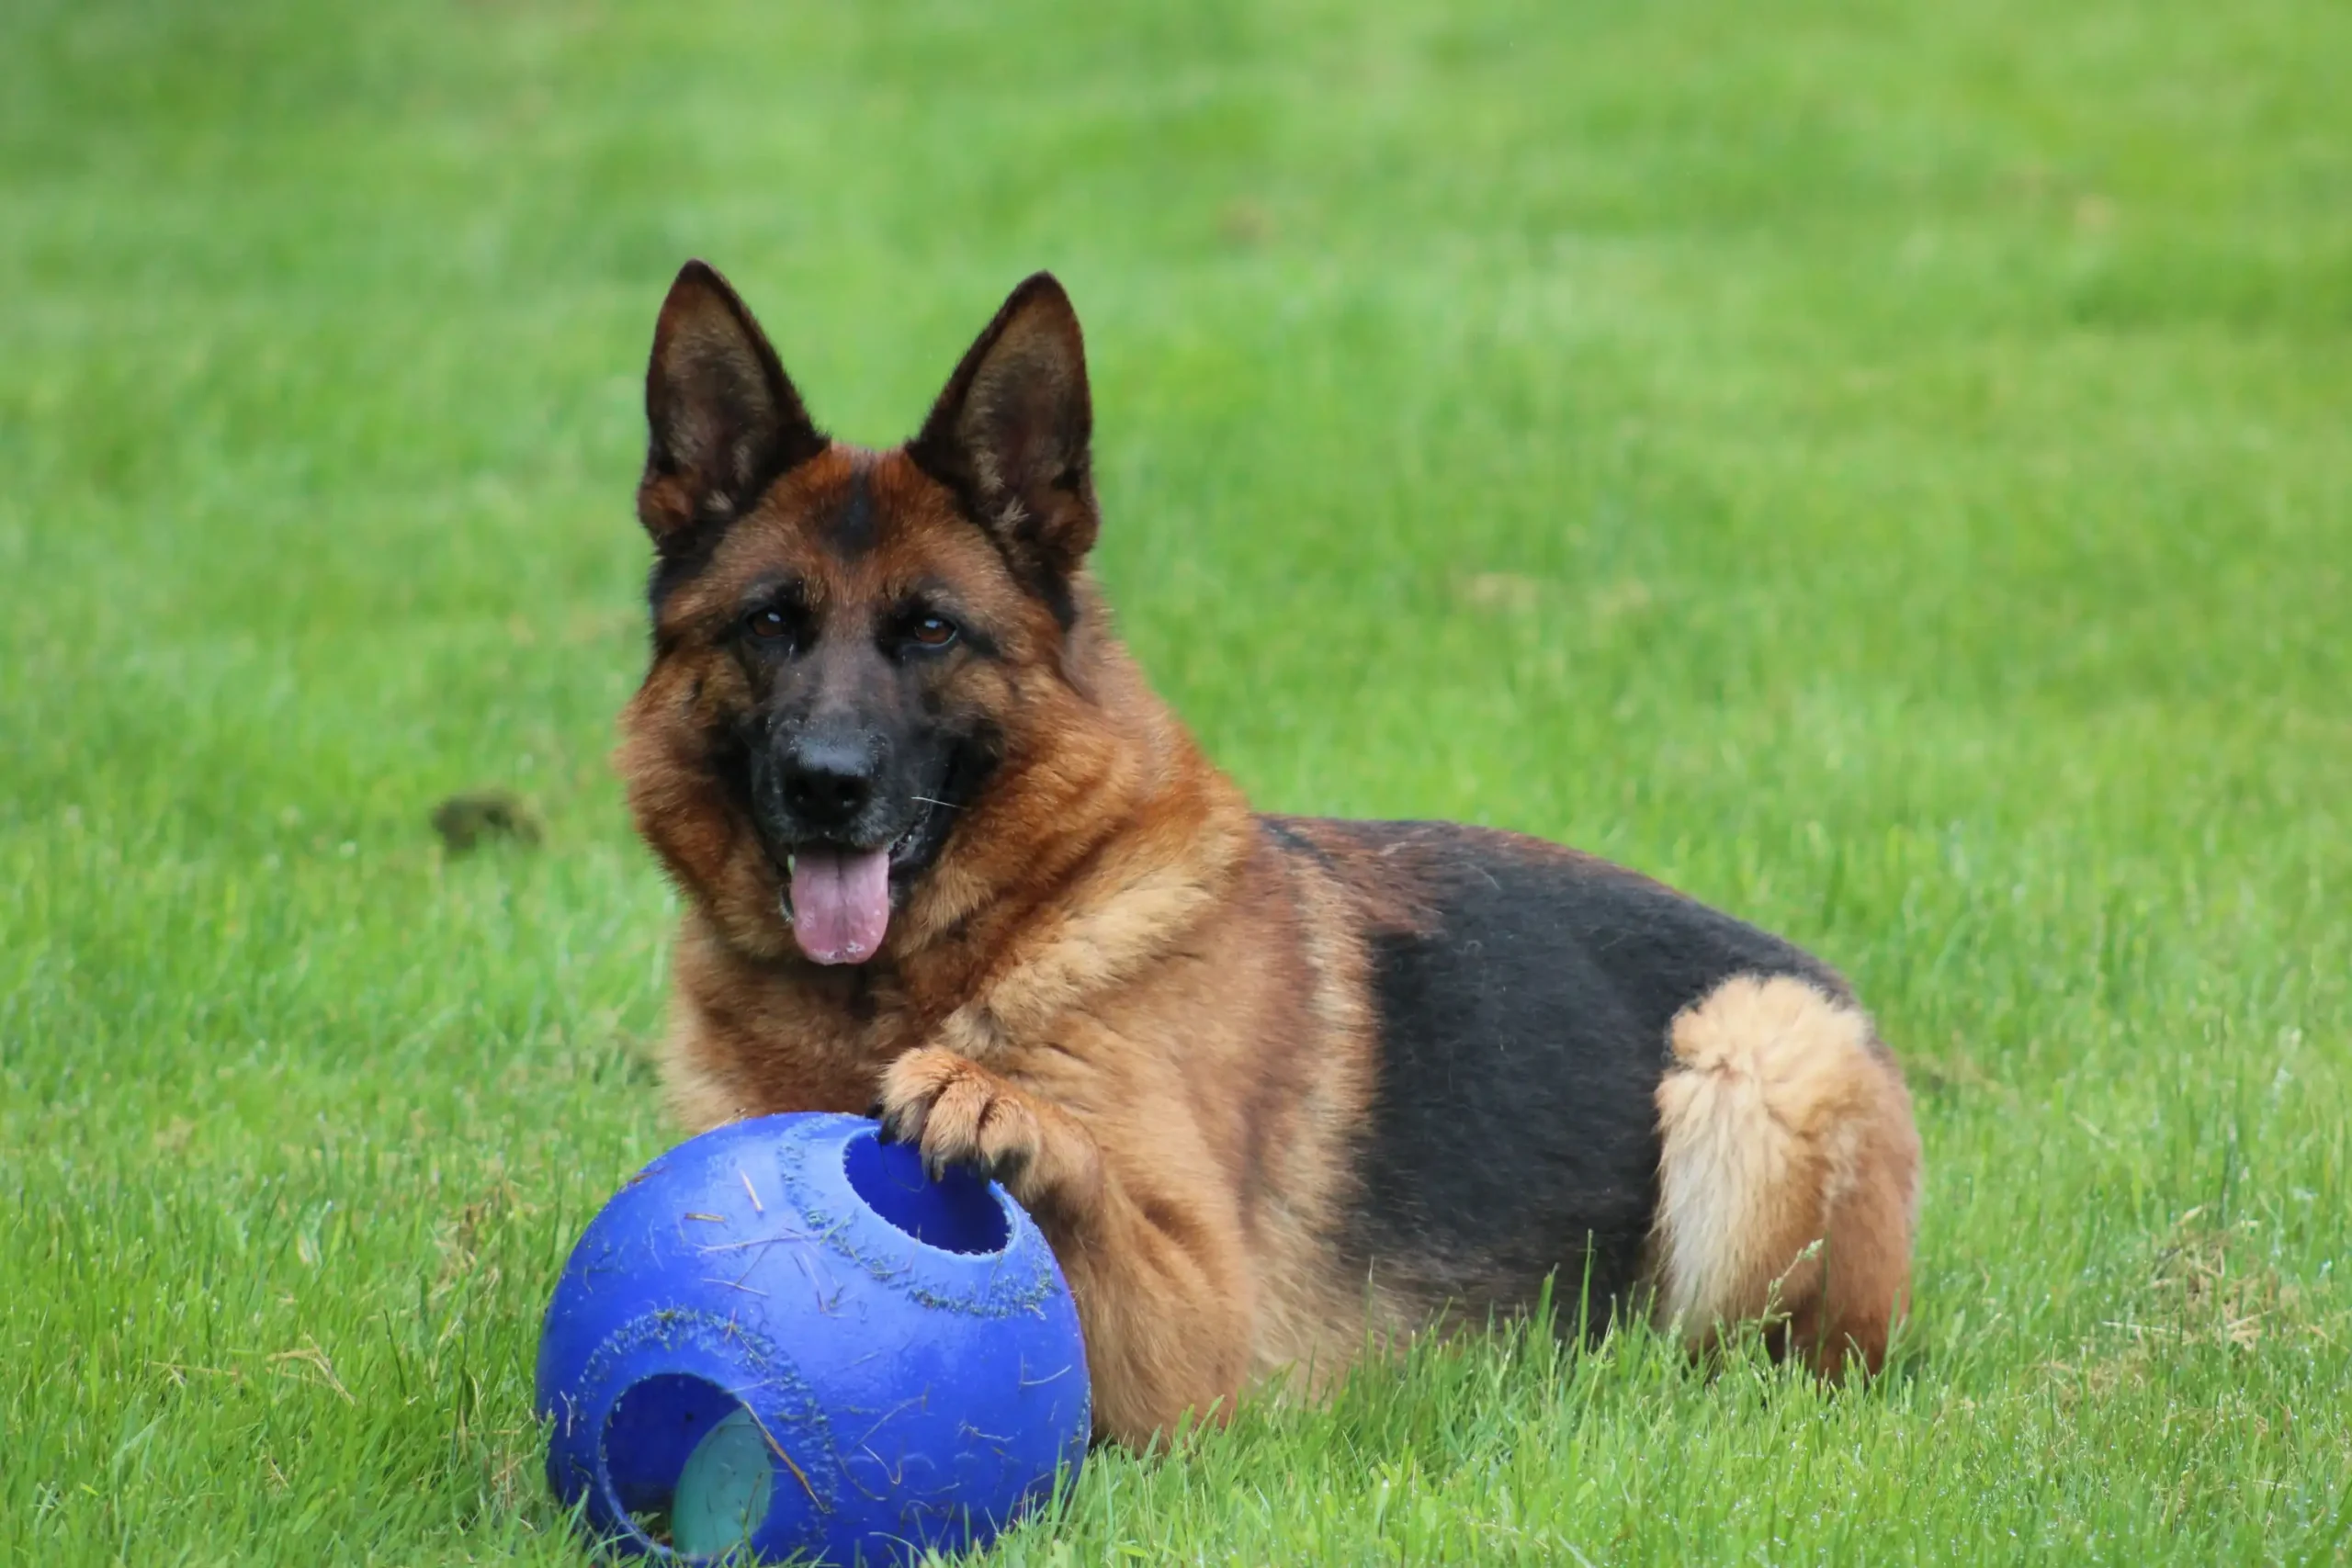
(837, 899)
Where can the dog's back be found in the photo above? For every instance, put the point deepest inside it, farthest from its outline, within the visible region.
(1582, 1074)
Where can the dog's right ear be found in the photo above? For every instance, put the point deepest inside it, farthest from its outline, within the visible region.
(725, 421)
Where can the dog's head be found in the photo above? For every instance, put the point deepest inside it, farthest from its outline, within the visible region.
(847, 645)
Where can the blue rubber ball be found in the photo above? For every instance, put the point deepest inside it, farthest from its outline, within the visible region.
(783, 1337)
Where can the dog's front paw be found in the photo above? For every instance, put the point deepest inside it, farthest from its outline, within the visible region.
(957, 1112)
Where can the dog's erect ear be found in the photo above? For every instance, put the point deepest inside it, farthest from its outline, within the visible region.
(724, 420)
(1011, 437)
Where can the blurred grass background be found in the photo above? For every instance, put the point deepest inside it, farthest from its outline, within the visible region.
(1881, 467)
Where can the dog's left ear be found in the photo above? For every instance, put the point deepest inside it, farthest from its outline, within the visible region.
(723, 418)
(1012, 435)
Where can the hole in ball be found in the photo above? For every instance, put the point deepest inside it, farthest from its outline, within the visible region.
(958, 1213)
(688, 1466)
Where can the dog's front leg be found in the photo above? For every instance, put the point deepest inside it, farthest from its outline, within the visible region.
(1162, 1303)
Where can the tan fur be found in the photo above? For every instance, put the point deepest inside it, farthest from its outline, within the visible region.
(1107, 938)
(1788, 1179)
(1110, 987)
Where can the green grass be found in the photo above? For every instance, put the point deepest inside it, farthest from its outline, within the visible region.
(1883, 468)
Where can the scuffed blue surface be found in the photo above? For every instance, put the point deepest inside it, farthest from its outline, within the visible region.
(914, 1389)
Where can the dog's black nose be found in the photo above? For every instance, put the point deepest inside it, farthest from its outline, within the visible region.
(827, 782)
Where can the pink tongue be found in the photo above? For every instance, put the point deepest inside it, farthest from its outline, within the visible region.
(840, 903)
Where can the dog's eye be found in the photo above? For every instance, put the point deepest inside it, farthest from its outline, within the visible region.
(933, 631)
(768, 625)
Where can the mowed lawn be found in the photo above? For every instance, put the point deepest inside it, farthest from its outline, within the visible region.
(1885, 468)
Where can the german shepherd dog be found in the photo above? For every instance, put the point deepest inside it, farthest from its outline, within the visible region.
(1274, 1087)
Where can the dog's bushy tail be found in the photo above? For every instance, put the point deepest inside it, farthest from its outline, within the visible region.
(1789, 1174)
